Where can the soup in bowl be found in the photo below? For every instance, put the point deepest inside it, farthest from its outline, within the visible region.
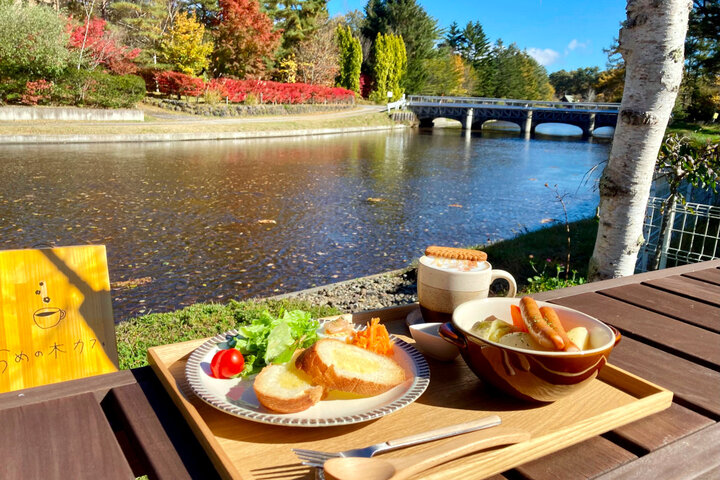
(520, 368)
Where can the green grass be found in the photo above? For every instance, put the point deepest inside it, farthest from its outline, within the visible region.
(709, 132)
(513, 255)
(136, 335)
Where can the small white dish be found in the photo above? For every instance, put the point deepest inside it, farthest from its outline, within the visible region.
(430, 343)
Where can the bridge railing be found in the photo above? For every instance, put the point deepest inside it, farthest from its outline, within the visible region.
(399, 105)
(506, 102)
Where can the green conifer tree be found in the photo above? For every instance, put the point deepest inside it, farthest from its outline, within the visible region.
(350, 59)
(409, 20)
(389, 67)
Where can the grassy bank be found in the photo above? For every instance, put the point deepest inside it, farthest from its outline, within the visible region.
(306, 122)
(136, 335)
(709, 132)
(548, 247)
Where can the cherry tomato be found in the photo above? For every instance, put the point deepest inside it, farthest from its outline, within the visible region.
(227, 363)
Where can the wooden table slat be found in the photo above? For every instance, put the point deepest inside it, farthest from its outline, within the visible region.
(709, 275)
(146, 433)
(587, 459)
(627, 280)
(658, 430)
(98, 385)
(689, 457)
(690, 382)
(668, 304)
(698, 344)
(689, 287)
(60, 439)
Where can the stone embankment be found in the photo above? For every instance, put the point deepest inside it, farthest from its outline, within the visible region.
(72, 114)
(234, 110)
(182, 137)
(367, 293)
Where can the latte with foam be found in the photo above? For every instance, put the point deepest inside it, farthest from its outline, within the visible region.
(444, 283)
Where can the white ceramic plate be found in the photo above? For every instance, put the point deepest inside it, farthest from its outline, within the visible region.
(237, 397)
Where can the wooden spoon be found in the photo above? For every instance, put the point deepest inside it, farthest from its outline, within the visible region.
(375, 468)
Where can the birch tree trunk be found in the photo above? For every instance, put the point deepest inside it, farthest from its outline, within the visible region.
(651, 42)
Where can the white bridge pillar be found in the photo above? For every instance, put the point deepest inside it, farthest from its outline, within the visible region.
(591, 126)
(526, 129)
(467, 125)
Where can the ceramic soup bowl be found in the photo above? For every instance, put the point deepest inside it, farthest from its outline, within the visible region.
(533, 375)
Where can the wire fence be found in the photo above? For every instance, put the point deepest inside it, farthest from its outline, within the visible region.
(693, 234)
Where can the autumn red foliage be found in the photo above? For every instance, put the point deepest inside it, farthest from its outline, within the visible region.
(276, 92)
(365, 85)
(176, 83)
(244, 39)
(36, 92)
(101, 48)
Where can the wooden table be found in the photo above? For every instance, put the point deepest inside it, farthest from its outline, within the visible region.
(124, 424)
(113, 426)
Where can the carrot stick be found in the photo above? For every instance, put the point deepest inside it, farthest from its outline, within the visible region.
(517, 318)
(538, 327)
(374, 338)
(553, 320)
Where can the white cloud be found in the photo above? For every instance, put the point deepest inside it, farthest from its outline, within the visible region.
(545, 56)
(575, 44)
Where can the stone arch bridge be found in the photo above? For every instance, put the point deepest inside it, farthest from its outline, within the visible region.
(472, 112)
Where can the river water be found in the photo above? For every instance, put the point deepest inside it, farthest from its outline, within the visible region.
(211, 221)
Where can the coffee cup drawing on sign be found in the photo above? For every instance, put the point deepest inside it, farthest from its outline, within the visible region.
(443, 284)
(47, 317)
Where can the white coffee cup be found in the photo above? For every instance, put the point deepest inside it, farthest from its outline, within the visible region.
(443, 285)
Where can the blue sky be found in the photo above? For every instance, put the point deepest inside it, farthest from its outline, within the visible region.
(560, 34)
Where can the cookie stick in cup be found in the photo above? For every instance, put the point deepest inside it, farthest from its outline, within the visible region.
(456, 253)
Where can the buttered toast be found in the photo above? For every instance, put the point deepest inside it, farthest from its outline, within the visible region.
(285, 389)
(340, 366)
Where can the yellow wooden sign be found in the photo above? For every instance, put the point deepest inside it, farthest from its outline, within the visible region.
(56, 320)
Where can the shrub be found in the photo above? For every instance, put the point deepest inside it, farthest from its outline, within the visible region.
(251, 99)
(99, 89)
(12, 89)
(118, 91)
(176, 83)
(232, 89)
(213, 96)
(252, 92)
(277, 92)
(37, 91)
(32, 41)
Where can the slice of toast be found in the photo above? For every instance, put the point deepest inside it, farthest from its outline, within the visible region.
(285, 389)
(340, 366)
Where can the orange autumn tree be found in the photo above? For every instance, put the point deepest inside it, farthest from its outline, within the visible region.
(244, 40)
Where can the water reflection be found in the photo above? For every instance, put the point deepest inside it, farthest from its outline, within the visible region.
(218, 220)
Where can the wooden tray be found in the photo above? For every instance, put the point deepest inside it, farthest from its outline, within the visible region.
(242, 449)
